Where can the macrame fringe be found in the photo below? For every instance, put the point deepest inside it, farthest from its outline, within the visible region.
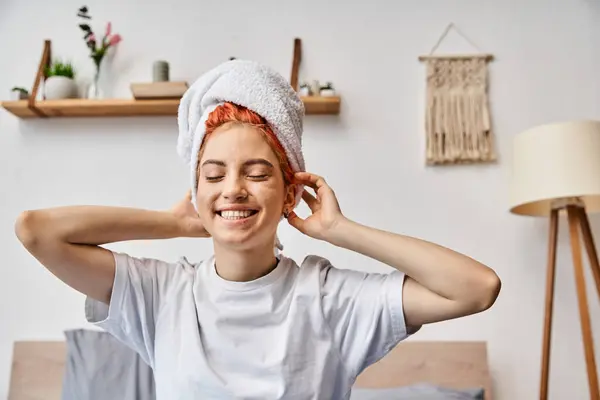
(458, 123)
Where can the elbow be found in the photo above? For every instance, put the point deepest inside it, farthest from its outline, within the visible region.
(481, 294)
(489, 289)
(25, 229)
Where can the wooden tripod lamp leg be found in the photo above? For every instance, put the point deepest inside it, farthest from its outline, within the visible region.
(588, 240)
(550, 273)
(584, 313)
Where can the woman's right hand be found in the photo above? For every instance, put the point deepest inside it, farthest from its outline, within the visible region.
(191, 222)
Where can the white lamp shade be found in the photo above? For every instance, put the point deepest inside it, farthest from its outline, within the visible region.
(555, 161)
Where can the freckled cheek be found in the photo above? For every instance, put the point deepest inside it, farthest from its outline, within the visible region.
(269, 194)
(206, 198)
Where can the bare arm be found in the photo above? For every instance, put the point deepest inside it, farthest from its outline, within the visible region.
(66, 240)
(441, 284)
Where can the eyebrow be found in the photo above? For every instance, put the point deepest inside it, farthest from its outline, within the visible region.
(215, 162)
(247, 163)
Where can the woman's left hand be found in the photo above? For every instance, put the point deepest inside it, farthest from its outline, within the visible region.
(326, 213)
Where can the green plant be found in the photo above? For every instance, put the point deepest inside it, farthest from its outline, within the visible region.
(60, 68)
(20, 89)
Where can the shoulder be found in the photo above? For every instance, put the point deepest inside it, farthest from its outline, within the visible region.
(152, 262)
(326, 270)
(328, 275)
(155, 267)
(315, 266)
(312, 262)
(336, 280)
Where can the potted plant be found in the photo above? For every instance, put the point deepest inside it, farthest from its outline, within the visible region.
(327, 90)
(19, 93)
(60, 81)
(305, 90)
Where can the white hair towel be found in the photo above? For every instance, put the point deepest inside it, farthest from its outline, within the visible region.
(249, 84)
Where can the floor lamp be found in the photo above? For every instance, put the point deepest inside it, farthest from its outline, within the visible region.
(555, 171)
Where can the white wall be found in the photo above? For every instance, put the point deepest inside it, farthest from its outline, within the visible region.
(546, 67)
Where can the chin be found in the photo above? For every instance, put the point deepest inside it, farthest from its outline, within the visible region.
(239, 242)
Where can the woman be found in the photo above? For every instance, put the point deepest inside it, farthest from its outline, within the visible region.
(246, 322)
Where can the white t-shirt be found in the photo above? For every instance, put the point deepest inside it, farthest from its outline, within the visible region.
(300, 332)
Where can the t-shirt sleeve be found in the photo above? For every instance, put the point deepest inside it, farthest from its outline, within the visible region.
(364, 312)
(139, 287)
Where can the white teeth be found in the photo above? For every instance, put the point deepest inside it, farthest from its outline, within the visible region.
(236, 214)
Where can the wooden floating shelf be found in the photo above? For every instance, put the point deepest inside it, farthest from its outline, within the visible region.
(92, 108)
(33, 108)
(131, 108)
(321, 104)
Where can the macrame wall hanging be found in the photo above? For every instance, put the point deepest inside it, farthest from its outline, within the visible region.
(457, 116)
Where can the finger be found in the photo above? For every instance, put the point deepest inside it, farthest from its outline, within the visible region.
(295, 221)
(311, 180)
(310, 200)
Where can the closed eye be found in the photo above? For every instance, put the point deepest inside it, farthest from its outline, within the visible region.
(216, 178)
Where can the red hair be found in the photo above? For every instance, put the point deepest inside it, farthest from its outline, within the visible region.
(230, 113)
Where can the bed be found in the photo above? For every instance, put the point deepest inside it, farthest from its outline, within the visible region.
(38, 366)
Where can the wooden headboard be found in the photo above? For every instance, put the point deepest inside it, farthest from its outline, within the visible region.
(37, 368)
(458, 365)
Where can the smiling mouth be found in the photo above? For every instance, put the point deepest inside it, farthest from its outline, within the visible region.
(236, 215)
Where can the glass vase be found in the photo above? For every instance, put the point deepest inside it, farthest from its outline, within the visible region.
(95, 90)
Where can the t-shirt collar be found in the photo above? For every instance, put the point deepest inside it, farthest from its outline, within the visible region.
(265, 280)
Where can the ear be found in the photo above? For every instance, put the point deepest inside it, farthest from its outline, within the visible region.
(290, 198)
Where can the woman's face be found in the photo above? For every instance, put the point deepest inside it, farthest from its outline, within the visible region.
(241, 193)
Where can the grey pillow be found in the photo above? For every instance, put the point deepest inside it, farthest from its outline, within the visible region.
(422, 391)
(99, 367)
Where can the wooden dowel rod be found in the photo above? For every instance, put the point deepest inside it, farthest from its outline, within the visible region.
(488, 57)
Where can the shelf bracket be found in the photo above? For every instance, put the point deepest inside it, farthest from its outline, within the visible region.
(296, 63)
(41, 73)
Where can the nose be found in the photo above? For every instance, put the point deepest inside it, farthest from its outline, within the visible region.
(234, 189)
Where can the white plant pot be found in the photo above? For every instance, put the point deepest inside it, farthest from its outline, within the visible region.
(327, 92)
(305, 91)
(16, 95)
(60, 87)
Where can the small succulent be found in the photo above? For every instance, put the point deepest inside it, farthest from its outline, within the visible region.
(306, 87)
(20, 90)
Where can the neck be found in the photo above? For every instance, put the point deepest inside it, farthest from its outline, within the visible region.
(244, 265)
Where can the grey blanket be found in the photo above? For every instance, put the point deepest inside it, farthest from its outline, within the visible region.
(99, 367)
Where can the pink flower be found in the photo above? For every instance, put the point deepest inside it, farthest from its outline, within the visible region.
(115, 39)
(92, 38)
(108, 29)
